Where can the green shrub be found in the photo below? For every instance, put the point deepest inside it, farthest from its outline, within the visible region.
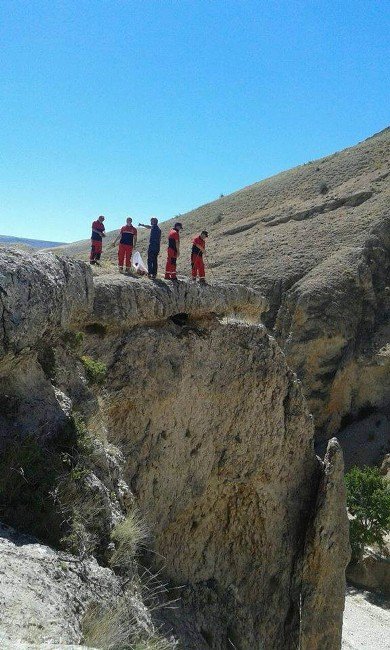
(324, 189)
(368, 501)
(73, 340)
(95, 370)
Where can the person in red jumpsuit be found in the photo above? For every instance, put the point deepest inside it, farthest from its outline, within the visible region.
(197, 263)
(173, 251)
(128, 240)
(97, 240)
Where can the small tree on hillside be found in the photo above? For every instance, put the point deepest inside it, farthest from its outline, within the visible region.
(368, 501)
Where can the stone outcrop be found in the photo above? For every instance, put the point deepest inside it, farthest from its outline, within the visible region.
(217, 444)
(124, 302)
(40, 296)
(371, 572)
(326, 555)
(333, 326)
(314, 240)
(220, 460)
(44, 593)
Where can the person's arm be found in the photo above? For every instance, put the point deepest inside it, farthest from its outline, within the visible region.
(114, 243)
(144, 225)
(135, 239)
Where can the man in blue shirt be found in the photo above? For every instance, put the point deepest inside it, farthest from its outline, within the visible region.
(154, 246)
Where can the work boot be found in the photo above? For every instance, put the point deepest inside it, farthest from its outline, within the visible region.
(128, 270)
(92, 261)
(202, 280)
(120, 269)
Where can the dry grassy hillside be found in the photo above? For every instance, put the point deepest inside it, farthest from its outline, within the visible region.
(272, 233)
(316, 241)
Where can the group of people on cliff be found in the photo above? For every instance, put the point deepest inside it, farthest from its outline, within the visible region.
(127, 240)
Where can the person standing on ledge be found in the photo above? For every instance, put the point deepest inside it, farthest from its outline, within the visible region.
(173, 251)
(128, 240)
(154, 246)
(197, 263)
(97, 240)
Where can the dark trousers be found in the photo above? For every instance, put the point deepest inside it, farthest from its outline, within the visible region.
(152, 262)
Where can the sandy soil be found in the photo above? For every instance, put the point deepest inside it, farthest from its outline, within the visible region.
(366, 621)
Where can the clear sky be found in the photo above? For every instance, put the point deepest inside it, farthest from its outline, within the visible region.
(153, 107)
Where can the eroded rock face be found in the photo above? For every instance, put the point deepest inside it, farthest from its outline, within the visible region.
(37, 297)
(217, 441)
(326, 555)
(333, 326)
(220, 459)
(122, 302)
(44, 593)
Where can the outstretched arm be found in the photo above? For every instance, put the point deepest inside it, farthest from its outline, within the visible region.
(144, 225)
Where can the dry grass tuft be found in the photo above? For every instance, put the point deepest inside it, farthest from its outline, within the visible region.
(129, 535)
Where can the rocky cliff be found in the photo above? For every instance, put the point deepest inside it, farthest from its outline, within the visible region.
(195, 409)
(315, 241)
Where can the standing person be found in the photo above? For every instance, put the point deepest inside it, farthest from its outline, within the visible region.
(128, 240)
(173, 251)
(97, 240)
(197, 264)
(154, 246)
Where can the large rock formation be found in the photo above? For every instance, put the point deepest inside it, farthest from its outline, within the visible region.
(315, 241)
(217, 443)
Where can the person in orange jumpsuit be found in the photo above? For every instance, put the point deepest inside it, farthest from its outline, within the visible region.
(128, 240)
(197, 263)
(173, 251)
(97, 240)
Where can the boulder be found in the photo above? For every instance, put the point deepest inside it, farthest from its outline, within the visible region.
(40, 296)
(122, 302)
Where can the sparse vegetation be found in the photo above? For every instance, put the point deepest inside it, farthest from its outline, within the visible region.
(95, 370)
(368, 501)
(117, 628)
(324, 189)
(218, 219)
(73, 340)
(43, 487)
(28, 472)
(128, 536)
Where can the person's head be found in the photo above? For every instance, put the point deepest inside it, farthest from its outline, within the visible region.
(101, 218)
(204, 234)
(153, 221)
(129, 221)
(178, 226)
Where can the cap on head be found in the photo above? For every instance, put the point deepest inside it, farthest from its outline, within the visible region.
(101, 218)
(178, 226)
(204, 233)
(154, 221)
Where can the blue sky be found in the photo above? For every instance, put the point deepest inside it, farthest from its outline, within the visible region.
(154, 107)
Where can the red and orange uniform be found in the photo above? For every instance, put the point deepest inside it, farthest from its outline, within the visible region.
(96, 241)
(197, 264)
(125, 248)
(170, 268)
